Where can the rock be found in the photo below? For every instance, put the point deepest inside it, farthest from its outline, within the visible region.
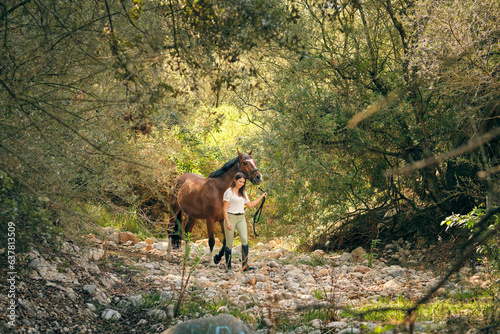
(273, 254)
(371, 275)
(49, 271)
(91, 307)
(392, 286)
(69, 247)
(396, 271)
(272, 243)
(316, 323)
(434, 282)
(337, 325)
(170, 311)
(133, 301)
(157, 314)
(95, 254)
(109, 230)
(161, 246)
(428, 326)
(89, 289)
(261, 247)
(140, 245)
(358, 254)
(322, 272)
(123, 237)
(113, 237)
(223, 323)
(361, 269)
(204, 242)
(110, 315)
(319, 253)
(346, 258)
(273, 264)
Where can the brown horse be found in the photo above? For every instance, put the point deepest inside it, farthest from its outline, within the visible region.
(201, 198)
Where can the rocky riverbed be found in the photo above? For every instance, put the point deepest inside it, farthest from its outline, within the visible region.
(120, 285)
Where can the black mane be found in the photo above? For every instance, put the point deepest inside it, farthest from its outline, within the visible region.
(227, 166)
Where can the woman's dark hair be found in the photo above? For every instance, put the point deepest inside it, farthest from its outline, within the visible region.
(238, 176)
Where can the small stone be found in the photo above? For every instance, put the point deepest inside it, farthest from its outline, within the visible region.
(91, 307)
(89, 289)
(123, 237)
(157, 314)
(110, 315)
(358, 254)
(316, 323)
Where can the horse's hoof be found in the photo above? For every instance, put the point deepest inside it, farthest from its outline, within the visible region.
(217, 260)
(169, 258)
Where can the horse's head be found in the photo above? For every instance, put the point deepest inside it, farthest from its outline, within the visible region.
(248, 167)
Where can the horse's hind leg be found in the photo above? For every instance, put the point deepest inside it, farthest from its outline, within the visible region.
(218, 256)
(175, 224)
(211, 240)
(189, 226)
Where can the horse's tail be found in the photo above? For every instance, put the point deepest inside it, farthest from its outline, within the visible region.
(174, 228)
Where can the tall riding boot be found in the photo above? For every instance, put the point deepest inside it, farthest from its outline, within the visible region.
(227, 254)
(244, 255)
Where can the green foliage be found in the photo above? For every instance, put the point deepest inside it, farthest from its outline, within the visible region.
(380, 330)
(371, 255)
(467, 221)
(153, 300)
(314, 261)
(318, 294)
(489, 251)
(23, 216)
(387, 309)
(211, 140)
(186, 273)
(122, 221)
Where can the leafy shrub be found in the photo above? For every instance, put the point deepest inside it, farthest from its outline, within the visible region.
(26, 215)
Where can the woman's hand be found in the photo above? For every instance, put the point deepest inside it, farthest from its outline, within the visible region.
(229, 227)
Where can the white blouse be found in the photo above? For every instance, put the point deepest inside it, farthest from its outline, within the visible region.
(236, 203)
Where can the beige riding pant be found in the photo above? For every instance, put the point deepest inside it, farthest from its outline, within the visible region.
(238, 223)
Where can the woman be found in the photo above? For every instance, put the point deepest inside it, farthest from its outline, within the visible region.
(235, 198)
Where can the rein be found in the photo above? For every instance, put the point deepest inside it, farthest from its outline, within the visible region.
(256, 216)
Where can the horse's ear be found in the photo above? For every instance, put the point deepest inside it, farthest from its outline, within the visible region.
(240, 155)
(250, 153)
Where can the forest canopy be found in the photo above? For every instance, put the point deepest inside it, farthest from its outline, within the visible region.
(369, 119)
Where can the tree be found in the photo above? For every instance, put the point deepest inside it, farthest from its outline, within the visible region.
(79, 81)
(364, 59)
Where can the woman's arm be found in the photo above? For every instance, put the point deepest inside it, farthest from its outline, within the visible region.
(226, 216)
(255, 202)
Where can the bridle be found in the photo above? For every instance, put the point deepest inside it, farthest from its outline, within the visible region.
(248, 175)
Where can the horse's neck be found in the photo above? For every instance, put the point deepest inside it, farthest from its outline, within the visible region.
(227, 178)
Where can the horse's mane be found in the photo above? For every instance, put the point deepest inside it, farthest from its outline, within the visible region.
(227, 166)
